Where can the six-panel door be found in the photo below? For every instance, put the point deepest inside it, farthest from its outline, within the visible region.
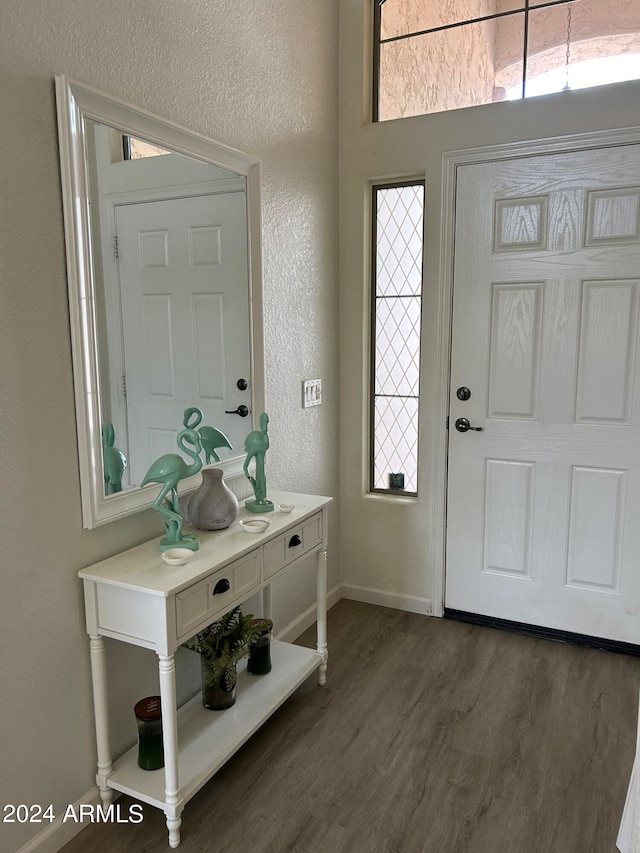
(544, 502)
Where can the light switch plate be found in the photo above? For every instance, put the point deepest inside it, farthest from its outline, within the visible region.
(311, 393)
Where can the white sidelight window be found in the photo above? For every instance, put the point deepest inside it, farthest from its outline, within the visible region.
(398, 212)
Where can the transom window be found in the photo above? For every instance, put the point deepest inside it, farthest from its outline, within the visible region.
(436, 55)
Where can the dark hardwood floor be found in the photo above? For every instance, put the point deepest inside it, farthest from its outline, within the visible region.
(431, 736)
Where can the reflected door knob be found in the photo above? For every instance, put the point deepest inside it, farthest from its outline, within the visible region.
(463, 425)
(242, 410)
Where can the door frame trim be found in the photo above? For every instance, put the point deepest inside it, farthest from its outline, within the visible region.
(451, 160)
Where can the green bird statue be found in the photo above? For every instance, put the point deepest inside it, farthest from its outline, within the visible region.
(256, 445)
(169, 470)
(114, 462)
(210, 437)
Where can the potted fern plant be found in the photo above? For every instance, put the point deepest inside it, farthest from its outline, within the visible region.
(220, 646)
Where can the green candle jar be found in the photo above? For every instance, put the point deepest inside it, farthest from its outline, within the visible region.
(149, 721)
(259, 662)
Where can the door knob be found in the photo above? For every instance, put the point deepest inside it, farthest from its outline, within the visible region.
(242, 410)
(463, 425)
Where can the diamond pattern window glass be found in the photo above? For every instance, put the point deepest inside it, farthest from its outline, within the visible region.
(397, 303)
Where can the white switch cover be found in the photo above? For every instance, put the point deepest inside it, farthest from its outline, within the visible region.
(311, 393)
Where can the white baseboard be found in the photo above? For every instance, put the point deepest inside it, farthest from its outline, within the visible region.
(58, 833)
(300, 624)
(411, 603)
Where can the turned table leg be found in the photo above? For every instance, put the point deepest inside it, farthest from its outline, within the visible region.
(173, 825)
(267, 607)
(167, 673)
(322, 613)
(100, 707)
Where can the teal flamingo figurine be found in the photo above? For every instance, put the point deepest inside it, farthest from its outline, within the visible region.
(114, 462)
(210, 438)
(256, 444)
(169, 470)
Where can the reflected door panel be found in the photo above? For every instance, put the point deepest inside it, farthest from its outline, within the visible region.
(182, 269)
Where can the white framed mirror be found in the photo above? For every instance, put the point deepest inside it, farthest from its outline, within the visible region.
(163, 245)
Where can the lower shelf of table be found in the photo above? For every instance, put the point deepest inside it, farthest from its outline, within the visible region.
(207, 739)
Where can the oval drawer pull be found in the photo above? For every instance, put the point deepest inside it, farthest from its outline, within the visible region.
(295, 540)
(222, 586)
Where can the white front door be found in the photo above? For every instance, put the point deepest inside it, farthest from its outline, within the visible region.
(543, 521)
(185, 317)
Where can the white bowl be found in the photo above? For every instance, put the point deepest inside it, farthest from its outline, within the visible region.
(177, 556)
(254, 525)
(286, 507)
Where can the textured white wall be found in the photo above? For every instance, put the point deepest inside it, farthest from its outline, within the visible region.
(262, 77)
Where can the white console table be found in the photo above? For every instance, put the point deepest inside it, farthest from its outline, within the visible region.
(137, 598)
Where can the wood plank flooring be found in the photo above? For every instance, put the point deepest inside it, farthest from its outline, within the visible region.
(431, 736)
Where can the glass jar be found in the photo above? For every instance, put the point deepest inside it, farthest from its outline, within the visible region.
(259, 662)
(218, 684)
(149, 720)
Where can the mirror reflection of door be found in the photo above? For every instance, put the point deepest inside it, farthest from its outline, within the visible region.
(170, 259)
(183, 280)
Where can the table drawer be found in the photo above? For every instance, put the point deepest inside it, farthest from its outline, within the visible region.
(291, 545)
(197, 602)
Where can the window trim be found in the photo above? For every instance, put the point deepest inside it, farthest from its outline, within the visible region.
(375, 89)
(375, 186)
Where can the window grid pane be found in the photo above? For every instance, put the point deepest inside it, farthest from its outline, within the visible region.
(397, 346)
(399, 244)
(397, 297)
(396, 441)
(403, 17)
